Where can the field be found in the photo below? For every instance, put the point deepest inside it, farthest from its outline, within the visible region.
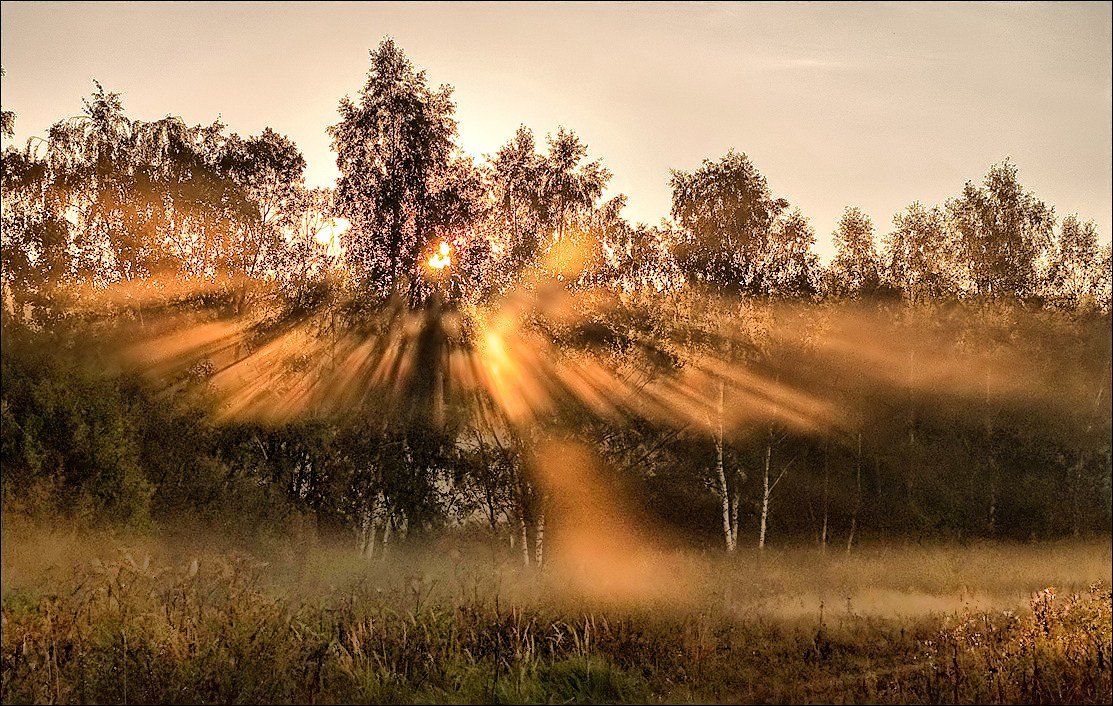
(109, 617)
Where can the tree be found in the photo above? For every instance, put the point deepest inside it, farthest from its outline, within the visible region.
(92, 157)
(146, 199)
(1076, 267)
(7, 118)
(567, 186)
(34, 238)
(632, 258)
(516, 174)
(856, 267)
(269, 168)
(727, 214)
(391, 147)
(1001, 233)
(713, 341)
(460, 208)
(919, 256)
(312, 244)
(790, 267)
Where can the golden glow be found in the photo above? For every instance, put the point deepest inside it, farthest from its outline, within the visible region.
(523, 375)
(442, 257)
(601, 551)
(329, 236)
(512, 379)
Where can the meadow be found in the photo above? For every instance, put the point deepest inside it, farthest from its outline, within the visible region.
(112, 617)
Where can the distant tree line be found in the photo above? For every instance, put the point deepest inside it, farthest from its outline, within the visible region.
(173, 216)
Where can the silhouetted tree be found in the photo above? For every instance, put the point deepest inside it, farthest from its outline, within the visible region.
(727, 214)
(269, 168)
(790, 267)
(516, 178)
(856, 267)
(567, 186)
(1001, 232)
(392, 145)
(919, 256)
(1077, 266)
(7, 118)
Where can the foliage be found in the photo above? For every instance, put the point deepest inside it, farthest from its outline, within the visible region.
(728, 213)
(1001, 233)
(856, 267)
(394, 148)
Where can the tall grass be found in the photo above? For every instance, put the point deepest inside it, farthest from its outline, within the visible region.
(132, 623)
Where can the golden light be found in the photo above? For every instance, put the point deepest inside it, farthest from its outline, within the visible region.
(442, 257)
(332, 230)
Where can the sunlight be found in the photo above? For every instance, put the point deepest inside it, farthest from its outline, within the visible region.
(330, 233)
(441, 258)
(581, 412)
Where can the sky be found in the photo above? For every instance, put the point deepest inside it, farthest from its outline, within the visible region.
(871, 105)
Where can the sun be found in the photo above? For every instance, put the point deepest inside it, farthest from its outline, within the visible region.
(441, 257)
(331, 231)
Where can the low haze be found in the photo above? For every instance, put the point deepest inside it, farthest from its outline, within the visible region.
(868, 105)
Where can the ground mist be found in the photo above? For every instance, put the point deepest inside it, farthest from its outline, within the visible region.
(108, 617)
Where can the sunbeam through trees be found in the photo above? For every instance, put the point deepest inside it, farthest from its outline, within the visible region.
(447, 359)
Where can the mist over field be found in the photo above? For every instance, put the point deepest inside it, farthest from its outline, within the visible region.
(456, 430)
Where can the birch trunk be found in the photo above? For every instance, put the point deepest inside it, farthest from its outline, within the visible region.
(730, 515)
(857, 496)
(370, 539)
(539, 539)
(765, 493)
(736, 499)
(524, 537)
(388, 529)
(371, 527)
(826, 504)
(523, 517)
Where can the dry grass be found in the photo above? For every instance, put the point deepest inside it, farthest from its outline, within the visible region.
(109, 618)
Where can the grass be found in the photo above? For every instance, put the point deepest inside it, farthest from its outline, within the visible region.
(96, 617)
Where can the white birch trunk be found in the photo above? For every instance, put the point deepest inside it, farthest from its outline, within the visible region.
(524, 536)
(388, 529)
(765, 493)
(371, 539)
(539, 539)
(724, 497)
(370, 528)
(735, 501)
(730, 510)
(858, 497)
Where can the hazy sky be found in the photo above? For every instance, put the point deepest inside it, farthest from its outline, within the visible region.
(870, 105)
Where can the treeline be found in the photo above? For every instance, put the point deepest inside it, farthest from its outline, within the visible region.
(949, 376)
(106, 198)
